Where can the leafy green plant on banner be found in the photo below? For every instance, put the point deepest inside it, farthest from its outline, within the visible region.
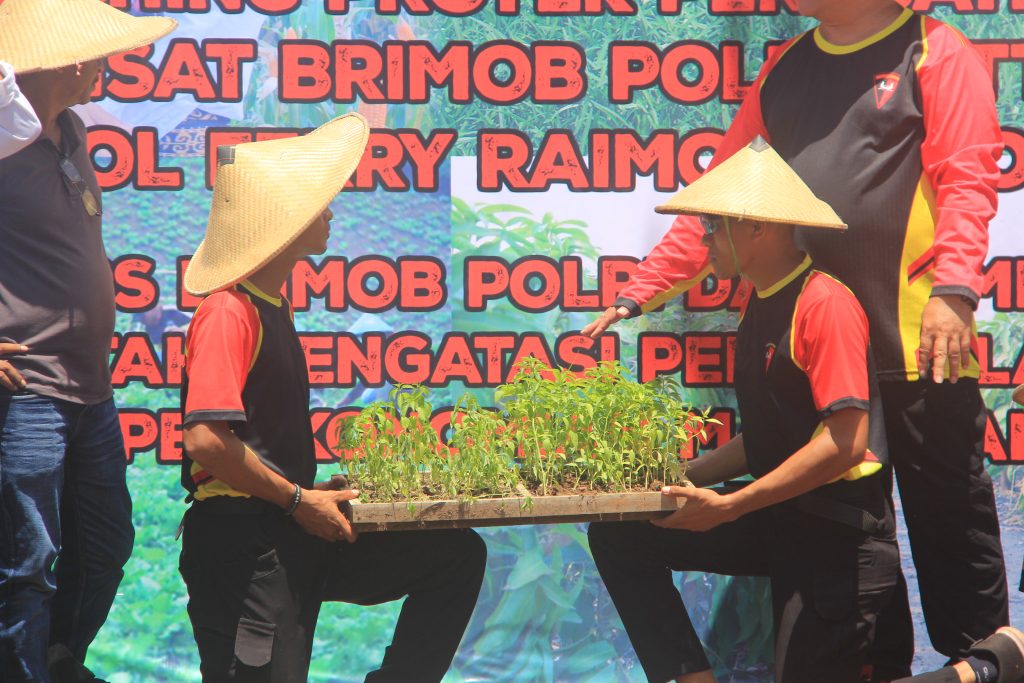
(1007, 331)
(262, 103)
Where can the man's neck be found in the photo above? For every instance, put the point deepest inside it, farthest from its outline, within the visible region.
(271, 277)
(853, 22)
(769, 273)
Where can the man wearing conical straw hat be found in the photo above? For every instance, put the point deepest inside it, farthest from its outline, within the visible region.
(65, 522)
(262, 545)
(816, 520)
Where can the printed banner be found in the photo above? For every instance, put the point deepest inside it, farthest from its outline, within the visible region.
(506, 196)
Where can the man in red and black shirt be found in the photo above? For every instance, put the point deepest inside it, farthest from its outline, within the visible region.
(816, 520)
(262, 543)
(889, 116)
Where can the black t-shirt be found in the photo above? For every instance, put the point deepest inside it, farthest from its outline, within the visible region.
(245, 366)
(802, 354)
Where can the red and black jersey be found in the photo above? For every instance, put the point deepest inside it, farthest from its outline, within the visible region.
(899, 134)
(245, 366)
(802, 354)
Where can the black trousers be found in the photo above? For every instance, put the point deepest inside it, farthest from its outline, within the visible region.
(936, 441)
(828, 581)
(256, 581)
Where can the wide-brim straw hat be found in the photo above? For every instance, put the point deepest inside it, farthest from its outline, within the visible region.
(1018, 395)
(266, 194)
(39, 35)
(754, 184)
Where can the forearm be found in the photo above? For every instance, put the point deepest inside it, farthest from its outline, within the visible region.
(224, 456)
(840, 446)
(960, 157)
(721, 464)
(678, 262)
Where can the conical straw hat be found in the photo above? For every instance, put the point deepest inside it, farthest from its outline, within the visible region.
(1018, 395)
(754, 184)
(38, 35)
(266, 194)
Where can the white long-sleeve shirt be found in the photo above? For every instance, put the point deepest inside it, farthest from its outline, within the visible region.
(19, 124)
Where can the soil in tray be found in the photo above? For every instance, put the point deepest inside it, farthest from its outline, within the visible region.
(366, 493)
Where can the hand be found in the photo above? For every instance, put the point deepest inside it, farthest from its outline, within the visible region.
(702, 509)
(945, 335)
(320, 513)
(10, 378)
(337, 482)
(611, 315)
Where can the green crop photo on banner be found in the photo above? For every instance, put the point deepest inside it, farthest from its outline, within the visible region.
(516, 153)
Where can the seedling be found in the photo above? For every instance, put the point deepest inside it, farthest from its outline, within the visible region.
(554, 431)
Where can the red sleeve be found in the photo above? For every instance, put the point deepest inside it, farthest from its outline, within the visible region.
(960, 154)
(680, 260)
(829, 341)
(220, 346)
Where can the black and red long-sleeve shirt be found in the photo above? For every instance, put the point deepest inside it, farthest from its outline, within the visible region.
(802, 354)
(899, 134)
(245, 366)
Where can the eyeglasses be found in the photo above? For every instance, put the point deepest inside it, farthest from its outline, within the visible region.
(71, 174)
(711, 223)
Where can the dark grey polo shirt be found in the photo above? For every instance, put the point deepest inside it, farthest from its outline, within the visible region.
(56, 287)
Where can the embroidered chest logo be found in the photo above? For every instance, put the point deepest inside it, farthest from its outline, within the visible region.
(769, 353)
(885, 88)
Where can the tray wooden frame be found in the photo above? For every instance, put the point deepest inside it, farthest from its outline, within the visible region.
(482, 512)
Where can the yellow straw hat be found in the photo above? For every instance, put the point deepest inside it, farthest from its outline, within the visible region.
(39, 35)
(754, 184)
(266, 194)
(1018, 395)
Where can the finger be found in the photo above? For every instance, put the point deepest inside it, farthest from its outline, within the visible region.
(347, 532)
(667, 522)
(924, 352)
(7, 347)
(596, 328)
(6, 382)
(965, 347)
(601, 325)
(16, 376)
(953, 349)
(673, 521)
(939, 357)
(12, 374)
(679, 492)
(347, 494)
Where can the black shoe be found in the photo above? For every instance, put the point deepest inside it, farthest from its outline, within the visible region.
(1006, 647)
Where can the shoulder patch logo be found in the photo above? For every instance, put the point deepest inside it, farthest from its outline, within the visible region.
(885, 88)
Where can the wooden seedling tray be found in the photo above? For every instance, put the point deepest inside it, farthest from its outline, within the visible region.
(448, 514)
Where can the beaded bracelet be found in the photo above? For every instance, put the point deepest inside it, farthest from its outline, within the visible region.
(296, 499)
